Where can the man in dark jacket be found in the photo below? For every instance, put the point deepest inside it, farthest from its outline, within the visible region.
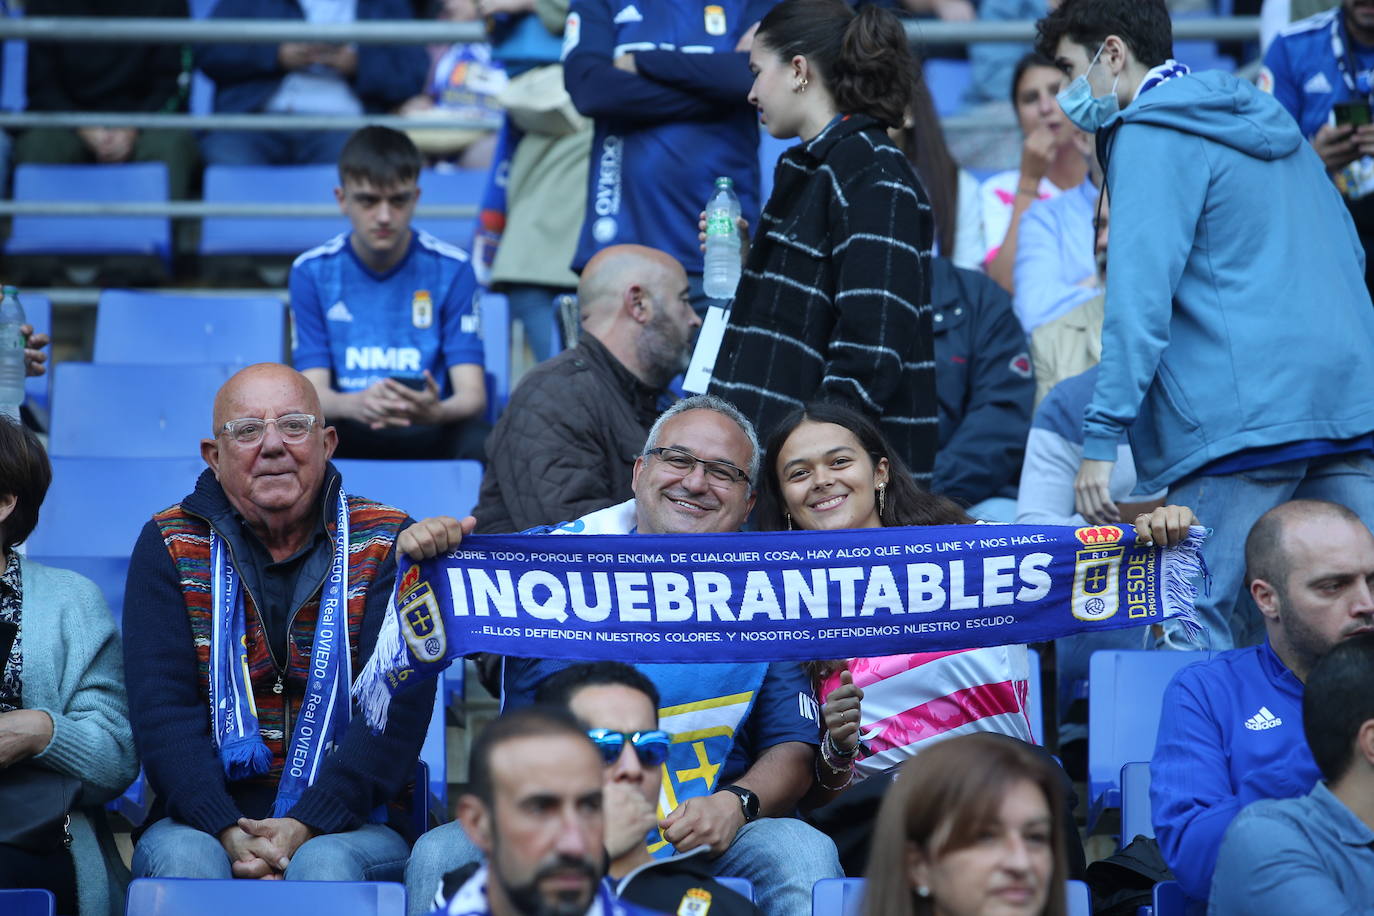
(304, 78)
(80, 76)
(567, 441)
(983, 379)
(248, 606)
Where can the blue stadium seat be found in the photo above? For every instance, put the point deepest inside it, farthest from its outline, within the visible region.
(158, 329)
(434, 752)
(949, 82)
(38, 311)
(271, 184)
(451, 188)
(1170, 900)
(1136, 819)
(496, 352)
(28, 902)
(96, 507)
(133, 411)
(1079, 899)
(91, 235)
(420, 488)
(770, 148)
(742, 886)
(14, 75)
(1125, 693)
(837, 897)
(1035, 709)
(179, 896)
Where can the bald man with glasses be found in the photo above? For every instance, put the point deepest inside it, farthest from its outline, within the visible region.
(248, 607)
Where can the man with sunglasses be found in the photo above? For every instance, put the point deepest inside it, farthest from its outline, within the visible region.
(248, 607)
(736, 789)
(618, 706)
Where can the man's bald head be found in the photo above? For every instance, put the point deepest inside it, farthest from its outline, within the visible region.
(273, 483)
(260, 379)
(637, 303)
(612, 271)
(1266, 556)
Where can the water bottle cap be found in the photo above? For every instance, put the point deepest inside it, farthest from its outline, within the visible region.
(11, 291)
(725, 182)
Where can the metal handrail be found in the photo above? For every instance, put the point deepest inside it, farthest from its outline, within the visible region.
(150, 121)
(416, 32)
(194, 209)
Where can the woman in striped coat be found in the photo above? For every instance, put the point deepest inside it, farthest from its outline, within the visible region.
(834, 300)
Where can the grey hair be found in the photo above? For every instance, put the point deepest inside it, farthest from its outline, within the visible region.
(720, 406)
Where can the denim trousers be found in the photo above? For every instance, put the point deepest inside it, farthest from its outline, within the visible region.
(171, 849)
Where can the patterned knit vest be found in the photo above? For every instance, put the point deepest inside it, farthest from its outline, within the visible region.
(372, 532)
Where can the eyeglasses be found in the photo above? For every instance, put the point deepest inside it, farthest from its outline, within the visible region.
(292, 427)
(650, 747)
(683, 463)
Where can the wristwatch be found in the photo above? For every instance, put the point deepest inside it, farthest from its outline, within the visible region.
(748, 801)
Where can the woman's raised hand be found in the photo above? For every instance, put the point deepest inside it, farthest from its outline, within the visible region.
(841, 713)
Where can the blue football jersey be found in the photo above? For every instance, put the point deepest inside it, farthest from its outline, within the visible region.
(364, 327)
(664, 134)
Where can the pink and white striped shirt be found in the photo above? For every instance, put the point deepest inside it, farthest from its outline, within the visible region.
(913, 701)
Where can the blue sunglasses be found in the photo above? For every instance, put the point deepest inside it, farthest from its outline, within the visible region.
(650, 747)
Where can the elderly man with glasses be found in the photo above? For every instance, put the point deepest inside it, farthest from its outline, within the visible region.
(695, 475)
(248, 607)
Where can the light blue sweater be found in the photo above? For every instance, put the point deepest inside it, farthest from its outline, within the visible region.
(1237, 315)
(74, 671)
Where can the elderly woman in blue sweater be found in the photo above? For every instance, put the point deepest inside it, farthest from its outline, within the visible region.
(62, 703)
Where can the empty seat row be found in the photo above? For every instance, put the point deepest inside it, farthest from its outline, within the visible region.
(146, 182)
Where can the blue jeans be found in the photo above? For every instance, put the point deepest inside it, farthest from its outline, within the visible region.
(533, 306)
(170, 849)
(437, 853)
(782, 857)
(1230, 504)
(267, 147)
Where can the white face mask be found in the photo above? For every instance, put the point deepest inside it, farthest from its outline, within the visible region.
(1086, 111)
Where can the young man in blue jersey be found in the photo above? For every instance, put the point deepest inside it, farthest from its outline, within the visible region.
(1222, 219)
(1322, 69)
(387, 326)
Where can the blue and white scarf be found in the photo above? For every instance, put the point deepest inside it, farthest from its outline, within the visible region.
(755, 597)
(1170, 69)
(325, 712)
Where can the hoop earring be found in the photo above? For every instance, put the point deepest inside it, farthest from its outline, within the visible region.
(882, 499)
(788, 516)
(801, 85)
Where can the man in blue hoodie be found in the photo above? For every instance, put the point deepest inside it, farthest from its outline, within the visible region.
(1235, 349)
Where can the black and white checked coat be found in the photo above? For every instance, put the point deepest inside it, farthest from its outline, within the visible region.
(834, 301)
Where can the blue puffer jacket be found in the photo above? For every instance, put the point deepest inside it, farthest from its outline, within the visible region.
(1237, 315)
(246, 75)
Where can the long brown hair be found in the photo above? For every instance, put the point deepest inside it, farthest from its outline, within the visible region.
(953, 791)
(922, 141)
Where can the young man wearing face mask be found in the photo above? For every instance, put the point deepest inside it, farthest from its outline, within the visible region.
(1237, 330)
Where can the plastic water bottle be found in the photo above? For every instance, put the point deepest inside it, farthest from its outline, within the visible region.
(11, 353)
(721, 274)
